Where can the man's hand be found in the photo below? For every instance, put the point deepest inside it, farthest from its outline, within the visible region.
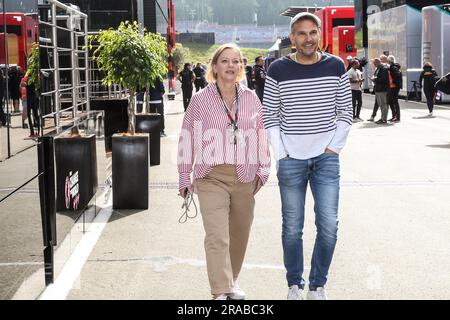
(328, 151)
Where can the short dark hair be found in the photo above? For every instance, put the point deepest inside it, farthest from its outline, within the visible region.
(257, 59)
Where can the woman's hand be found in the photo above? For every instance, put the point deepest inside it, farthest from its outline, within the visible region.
(183, 192)
(258, 185)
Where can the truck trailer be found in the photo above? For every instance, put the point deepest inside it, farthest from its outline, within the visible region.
(398, 32)
(436, 40)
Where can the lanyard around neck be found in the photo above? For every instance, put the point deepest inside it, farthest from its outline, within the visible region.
(233, 121)
(317, 57)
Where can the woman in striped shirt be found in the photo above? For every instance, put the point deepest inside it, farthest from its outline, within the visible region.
(224, 143)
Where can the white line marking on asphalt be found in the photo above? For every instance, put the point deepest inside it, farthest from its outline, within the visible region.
(14, 264)
(425, 104)
(392, 183)
(72, 269)
(172, 185)
(23, 190)
(162, 263)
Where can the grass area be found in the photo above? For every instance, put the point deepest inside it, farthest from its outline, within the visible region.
(200, 52)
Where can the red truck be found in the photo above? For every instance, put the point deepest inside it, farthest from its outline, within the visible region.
(22, 32)
(332, 17)
(344, 42)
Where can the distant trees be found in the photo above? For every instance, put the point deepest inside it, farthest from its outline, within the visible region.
(243, 11)
(179, 57)
(234, 11)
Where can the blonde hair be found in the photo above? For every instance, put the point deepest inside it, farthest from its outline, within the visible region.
(210, 75)
(391, 59)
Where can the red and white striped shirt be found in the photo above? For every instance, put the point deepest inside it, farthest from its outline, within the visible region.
(206, 139)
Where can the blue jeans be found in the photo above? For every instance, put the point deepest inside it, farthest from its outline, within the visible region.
(322, 172)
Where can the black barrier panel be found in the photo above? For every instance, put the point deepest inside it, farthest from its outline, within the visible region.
(47, 202)
(76, 171)
(151, 123)
(130, 165)
(116, 117)
(85, 156)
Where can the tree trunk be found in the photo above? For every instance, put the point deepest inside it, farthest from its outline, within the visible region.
(131, 108)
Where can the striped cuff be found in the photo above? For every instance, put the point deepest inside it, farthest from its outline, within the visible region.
(184, 180)
(263, 174)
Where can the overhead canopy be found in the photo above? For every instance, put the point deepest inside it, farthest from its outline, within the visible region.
(276, 45)
(292, 11)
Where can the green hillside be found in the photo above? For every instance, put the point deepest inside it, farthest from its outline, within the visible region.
(199, 52)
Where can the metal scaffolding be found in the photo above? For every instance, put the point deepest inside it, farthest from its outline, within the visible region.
(69, 94)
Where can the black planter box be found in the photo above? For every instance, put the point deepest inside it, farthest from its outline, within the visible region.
(130, 158)
(116, 117)
(171, 95)
(76, 171)
(151, 123)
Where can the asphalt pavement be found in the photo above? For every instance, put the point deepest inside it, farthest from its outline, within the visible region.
(393, 239)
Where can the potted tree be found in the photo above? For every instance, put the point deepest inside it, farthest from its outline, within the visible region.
(132, 58)
(75, 156)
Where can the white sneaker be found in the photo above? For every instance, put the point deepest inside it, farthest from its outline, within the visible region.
(318, 294)
(295, 293)
(237, 294)
(430, 114)
(220, 297)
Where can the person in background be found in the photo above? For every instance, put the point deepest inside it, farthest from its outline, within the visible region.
(200, 81)
(395, 84)
(428, 77)
(187, 78)
(226, 178)
(15, 76)
(356, 79)
(380, 79)
(244, 81)
(23, 97)
(349, 62)
(383, 60)
(248, 75)
(260, 77)
(156, 101)
(32, 107)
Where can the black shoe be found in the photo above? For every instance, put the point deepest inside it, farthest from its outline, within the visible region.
(162, 134)
(380, 122)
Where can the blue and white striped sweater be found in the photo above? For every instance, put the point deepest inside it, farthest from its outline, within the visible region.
(307, 108)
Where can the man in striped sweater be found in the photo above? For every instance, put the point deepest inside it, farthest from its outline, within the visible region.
(307, 111)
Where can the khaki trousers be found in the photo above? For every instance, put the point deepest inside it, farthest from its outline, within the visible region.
(227, 208)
